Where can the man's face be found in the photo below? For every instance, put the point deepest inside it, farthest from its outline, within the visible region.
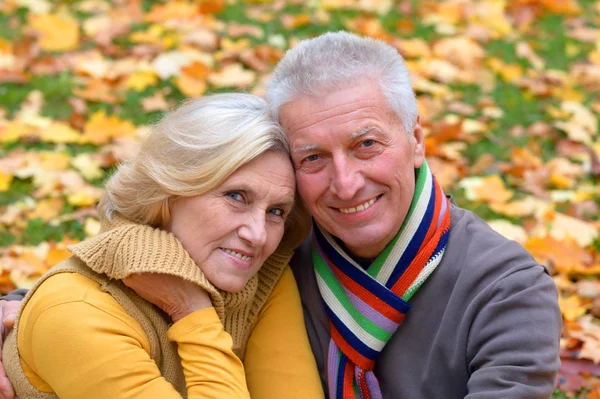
(354, 164)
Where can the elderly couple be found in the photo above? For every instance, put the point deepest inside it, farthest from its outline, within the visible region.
(186, 292)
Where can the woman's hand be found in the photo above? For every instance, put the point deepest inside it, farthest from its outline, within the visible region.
(173, 295)
(8, 313)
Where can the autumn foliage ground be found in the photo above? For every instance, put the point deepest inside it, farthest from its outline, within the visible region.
(507, 92)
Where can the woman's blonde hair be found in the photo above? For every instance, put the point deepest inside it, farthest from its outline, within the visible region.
(193, 150)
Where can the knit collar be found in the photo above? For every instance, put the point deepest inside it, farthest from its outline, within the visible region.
(123, 248)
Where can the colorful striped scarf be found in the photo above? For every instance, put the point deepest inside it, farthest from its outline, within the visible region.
(365, 307)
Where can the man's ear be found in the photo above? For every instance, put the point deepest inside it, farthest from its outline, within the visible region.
(419, 143)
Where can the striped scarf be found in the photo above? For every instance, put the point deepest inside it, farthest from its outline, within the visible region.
(365, 307)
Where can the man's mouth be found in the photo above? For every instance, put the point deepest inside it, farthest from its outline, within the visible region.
(362, 207)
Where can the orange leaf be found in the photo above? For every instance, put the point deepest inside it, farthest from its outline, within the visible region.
(565, 255)
(100, 128)
(56, 255)
(571, 307)
(492, 189)
(190, 86)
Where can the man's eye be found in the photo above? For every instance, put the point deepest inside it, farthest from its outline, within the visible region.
(312, 158)
(368, 143)
(235, 196)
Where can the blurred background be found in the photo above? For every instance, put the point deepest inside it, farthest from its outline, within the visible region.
(508, 93)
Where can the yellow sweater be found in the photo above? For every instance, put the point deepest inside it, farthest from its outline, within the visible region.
(76, 341)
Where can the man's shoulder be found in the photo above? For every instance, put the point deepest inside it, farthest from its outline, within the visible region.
(474, 245)
(301, 262)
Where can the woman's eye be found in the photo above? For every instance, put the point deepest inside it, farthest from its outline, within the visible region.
(235, 196)
(368, 143)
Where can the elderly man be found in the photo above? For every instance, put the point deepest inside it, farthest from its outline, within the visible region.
(483, 321)
(405, 294)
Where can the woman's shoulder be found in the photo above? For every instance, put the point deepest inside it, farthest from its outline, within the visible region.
(71, 298)
(65, 288)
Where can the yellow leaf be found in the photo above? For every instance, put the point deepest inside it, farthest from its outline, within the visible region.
(413, 48)
(13, 131)
(561, 182)
(5, 180)
(57, 33)
(54, 160)
(59, 132)
(47, 209)
(508, 72)
(91, 227)
(489, 189)
(139, 81)
(82, 199)
(89, 168)
(571, 307)
(100, 129)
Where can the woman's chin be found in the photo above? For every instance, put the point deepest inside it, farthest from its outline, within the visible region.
(231, 285)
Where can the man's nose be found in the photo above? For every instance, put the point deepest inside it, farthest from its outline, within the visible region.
(347, 179)
(254, 230)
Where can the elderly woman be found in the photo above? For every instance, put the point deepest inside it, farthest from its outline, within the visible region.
(201, 224)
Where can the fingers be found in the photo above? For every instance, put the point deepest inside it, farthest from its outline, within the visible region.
(9, 320)
(11, 309)
(6, 389)
(8, 313)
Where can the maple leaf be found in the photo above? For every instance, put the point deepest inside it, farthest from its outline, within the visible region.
(233, 75)
(89, 168)
(59, 132)
(47, 209)
(139, 81)
(509, 230)
(488, 189)
(572, 307)
(57, 32)
(156, 102)
(5, 180)
(190, 86)
(101, 128)
(564, 255)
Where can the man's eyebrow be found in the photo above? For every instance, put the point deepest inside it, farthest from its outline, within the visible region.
(363, 131)
(305, 148)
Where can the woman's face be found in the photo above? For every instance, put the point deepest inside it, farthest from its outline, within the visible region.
(230, 231)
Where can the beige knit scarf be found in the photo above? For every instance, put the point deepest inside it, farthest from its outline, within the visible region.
(123, 248)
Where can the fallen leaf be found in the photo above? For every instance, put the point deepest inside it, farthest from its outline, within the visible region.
(233, 75)
(571, 307)
(101, 128)
(5, 180)
(509, 230)
(57, 32)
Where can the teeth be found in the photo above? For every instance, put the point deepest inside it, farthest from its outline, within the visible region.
(361, 207)
(237, 254)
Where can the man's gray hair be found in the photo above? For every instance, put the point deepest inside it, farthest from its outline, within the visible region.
(337, 60)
